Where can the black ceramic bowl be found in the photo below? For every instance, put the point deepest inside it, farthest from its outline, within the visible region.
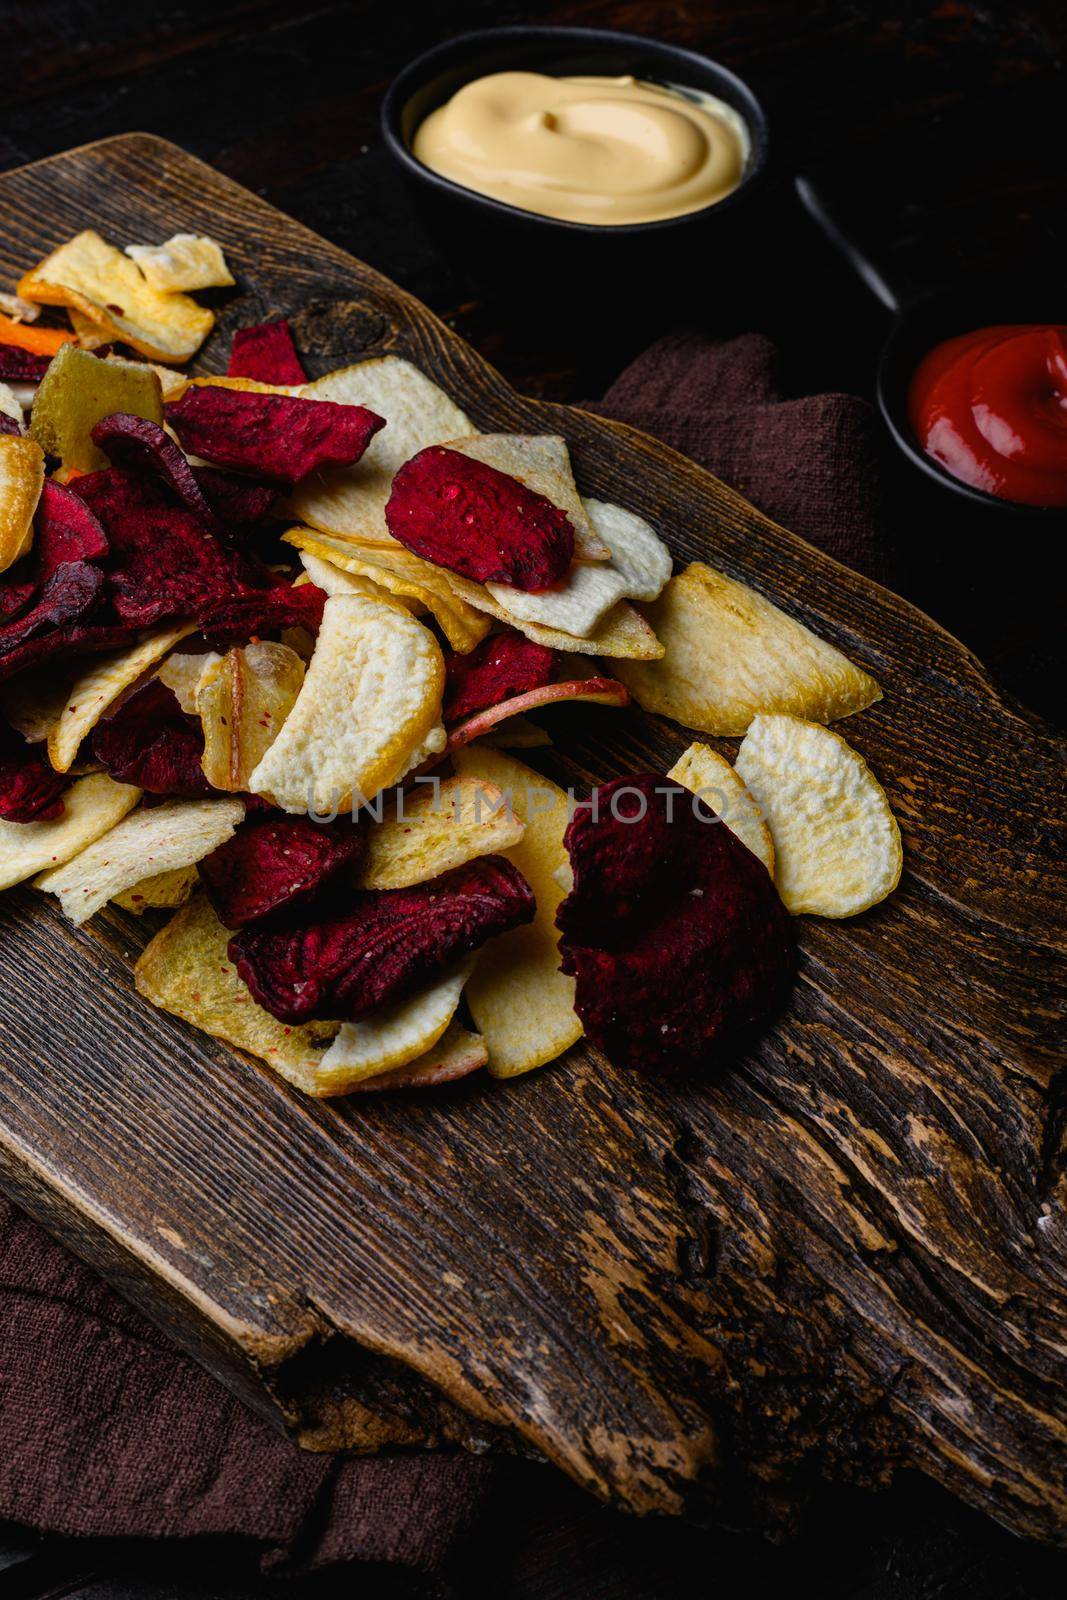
(494, 238)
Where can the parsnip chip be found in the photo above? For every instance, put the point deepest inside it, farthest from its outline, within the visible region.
(334, 580)
(90, 807)
(428, 752)
(731, 654)
(371, 695)
(247, 385)
(186, 261)
(186, 971)
(21, 482)
(182, 673)
(11, 405)
(622, 632)
(520, 1001)
(837, 844)
(404, 575)
(77, 391)
(162, 891)
(351, 502)
(711, 776)
(393, 1035)
(243, 700)
(543, 463)
(92, 277)
(439, 826)
(99, 687)
(456, 1054)
(144, 844)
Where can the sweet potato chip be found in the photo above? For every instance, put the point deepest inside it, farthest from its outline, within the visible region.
(90, 807)
(520, 1001)
(436, 828)
(351, 503)
(836, 840)
(21, 482)
(730, 654)
(456, 1054)
(182, 672)
(186, 261)
(242, 701)
(77, 392)
(394, 1035)
(267, 353)
(621, 632)
(371, 695)
(542, 463)
(279, 437)
(334, 580)
(145, 843)
(161, 892)
(94, 278)
(99, 687)
(403, 574)
(711, 776)
(186, 971)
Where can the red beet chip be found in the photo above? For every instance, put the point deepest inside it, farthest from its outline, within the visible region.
(504, 665)
(274, 860)
(138, 445)
(21, 366)
(673, 930)
(17, 589)
(267, 353)
(148, 740)
(65, 529)
(8, 424)
(30, 790)
(464, 515)
(73, 590)
(277, 436)
(74, 638)
(239, 504)
(385, 945)
(263, 611)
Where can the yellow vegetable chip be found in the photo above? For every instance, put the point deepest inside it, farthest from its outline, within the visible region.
(520, 1001)
(334, 580)
(731, 654)
(92, 277)
(621, 632)
(99, 687)
(77, 390)
(457, 1053)
(163, 890)
(434, 828)
(182, 672)
(21, 482)
(393, 1035)
(836, 841)
(243, 700)
(90, 807)
(186, 261)
(711, 776)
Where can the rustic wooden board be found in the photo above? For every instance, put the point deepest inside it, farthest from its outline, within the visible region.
(844, 1255)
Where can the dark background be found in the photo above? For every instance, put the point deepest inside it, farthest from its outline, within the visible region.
(938, 130)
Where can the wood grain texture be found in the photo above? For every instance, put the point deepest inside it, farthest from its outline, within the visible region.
(845, 1254)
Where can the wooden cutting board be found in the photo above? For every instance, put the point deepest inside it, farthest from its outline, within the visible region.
(843, 1255)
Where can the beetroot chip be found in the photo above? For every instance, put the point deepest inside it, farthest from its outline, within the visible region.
(263, 611)
(673, 930)
(72, 639)
(65, 529)
(383, 946)
(274, 860)
(149, 741)
(136, 444)
(239, 504)
(8, 424)
(17, 588)
(21, 366)
(73, 590)
(503, 665)
(30, 790)
(278, 436)
(267, 353)
(464, 515)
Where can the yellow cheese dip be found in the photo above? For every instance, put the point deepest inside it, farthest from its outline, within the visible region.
(595, 150)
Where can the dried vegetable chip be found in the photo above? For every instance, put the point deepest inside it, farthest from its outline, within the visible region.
(673, 930)
(242, 701)
(730, 654)
(90, 807)
(148, 740)
(30, 790)
(597, 691)
(51, 626)
(138, 445)
(351, 503)
(711, 776)
(335, 580)
(182, 673)
(502, 666)
(21, 482)
(98, 687)
(276, 861)
(456, 1054)
(461, 514)
(371, 695)
(65, 529)
(239, 504)
(38, 341)
(267, 353)
(21, 366)
(78, 391)
(11, 417)
(161, 892)
(185, 262)
(435, 828)
(385, 944)
(94, 278)
(836, 840)
(542, 463)
(175, 834)
(622, 632)
(280, 437)
(395, 1035)
(520, 1001)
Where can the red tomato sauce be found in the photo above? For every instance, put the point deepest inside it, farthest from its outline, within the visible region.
(991, 407)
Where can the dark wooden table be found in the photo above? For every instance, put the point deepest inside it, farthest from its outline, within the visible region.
(939, 127)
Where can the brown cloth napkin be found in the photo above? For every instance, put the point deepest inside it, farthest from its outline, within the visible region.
(104, 1428)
